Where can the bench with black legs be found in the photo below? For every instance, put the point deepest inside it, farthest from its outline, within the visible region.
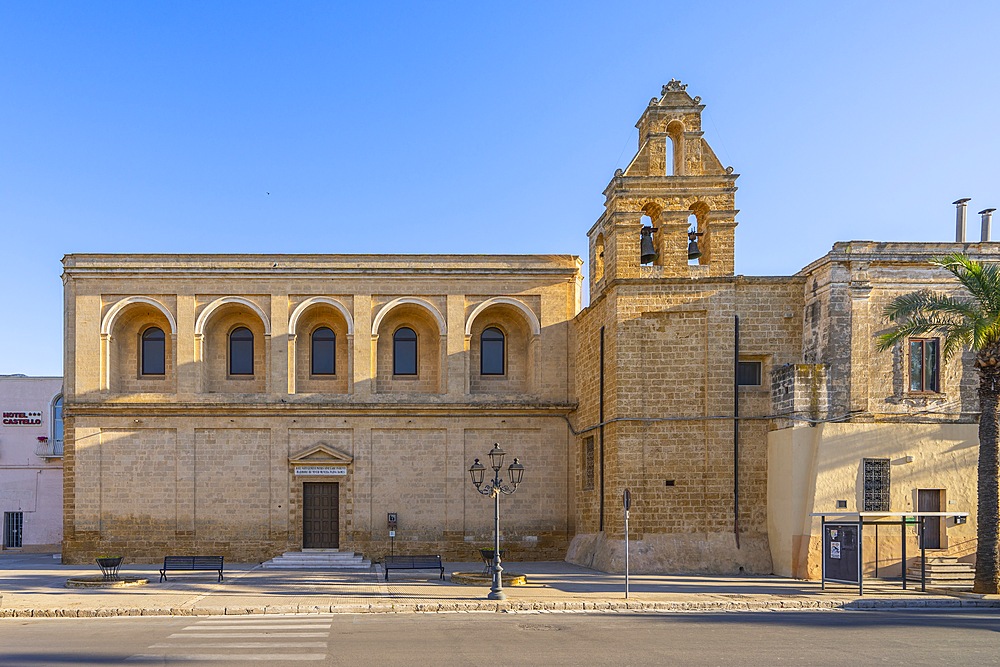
(189, 563)
(413, 563)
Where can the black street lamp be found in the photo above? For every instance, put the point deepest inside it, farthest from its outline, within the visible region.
(495, 487)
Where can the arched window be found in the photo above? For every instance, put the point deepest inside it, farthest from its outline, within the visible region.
(153, 352)
(57, 426)
(491, 352)
(324, 352)
(404, 352)
(241, 352)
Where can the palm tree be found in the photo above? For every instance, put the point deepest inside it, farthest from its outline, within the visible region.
(969, 321)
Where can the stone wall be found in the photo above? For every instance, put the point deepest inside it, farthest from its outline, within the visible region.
(206, 461)
(668, 434)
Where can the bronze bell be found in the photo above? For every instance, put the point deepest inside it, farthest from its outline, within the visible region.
(647, 252)
(693, 251)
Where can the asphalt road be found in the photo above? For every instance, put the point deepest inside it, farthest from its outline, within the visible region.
(906, 637)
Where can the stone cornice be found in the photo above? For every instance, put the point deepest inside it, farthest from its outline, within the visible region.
(277, 410)
(280, 266)
(877, 252)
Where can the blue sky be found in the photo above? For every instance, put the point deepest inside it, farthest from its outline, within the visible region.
(467, 128)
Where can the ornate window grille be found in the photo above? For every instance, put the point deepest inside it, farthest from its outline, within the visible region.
(876, 473)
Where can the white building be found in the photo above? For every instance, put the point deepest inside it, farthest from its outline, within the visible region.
(31, 447)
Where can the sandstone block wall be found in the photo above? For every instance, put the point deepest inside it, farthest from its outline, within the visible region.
(202, 460)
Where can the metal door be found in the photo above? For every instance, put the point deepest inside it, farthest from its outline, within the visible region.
(929, 500)
(13, 529)
(321, 515)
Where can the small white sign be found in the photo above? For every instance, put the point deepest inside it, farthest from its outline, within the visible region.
(21, 418)
(336, 471)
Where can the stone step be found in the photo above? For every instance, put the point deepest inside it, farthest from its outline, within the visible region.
(318, 559)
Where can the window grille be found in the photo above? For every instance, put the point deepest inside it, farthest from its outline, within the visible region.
(876, 473)
(588, 463)
(13, 527)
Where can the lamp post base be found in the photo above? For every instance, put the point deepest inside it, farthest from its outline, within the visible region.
(496, 595)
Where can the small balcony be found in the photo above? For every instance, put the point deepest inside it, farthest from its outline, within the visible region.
(49, 449)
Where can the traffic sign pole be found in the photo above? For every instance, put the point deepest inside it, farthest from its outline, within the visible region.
(627, 502)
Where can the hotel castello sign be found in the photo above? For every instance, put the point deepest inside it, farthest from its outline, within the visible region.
(18, 418)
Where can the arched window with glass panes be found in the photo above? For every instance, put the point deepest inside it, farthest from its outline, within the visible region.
(241, 351)
(491, 352)
(404, 352)
(153, 354)
(324, 352)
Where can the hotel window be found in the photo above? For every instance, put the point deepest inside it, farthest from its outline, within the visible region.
(324, 352)
(404, 352)
(491, 352)
(241, 352)
(57, 426)
(153, 351)
(924, 365)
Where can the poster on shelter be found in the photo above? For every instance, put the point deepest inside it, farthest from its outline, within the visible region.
(842, 553)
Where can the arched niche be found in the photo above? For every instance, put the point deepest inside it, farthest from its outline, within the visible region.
(309, 317)
(429, 325)
(121, 346)
(520, 328)
(213, 327)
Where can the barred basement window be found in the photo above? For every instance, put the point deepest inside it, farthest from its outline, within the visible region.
(588, 463)
(876, 473)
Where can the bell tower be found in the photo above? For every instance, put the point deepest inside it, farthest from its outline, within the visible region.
(675, 185)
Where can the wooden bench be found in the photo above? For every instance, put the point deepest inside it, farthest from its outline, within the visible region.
(200, 563)
(413, 563)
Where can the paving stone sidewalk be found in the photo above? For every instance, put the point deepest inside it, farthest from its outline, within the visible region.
(35, 585)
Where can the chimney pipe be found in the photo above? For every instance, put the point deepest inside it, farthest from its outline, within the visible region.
(987, 214)
(960, 206)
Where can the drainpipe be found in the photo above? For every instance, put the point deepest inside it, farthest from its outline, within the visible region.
(987, 214)
(736, 430)
(600, 417)
(960, 206)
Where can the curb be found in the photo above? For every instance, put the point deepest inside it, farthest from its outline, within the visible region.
(511, 606)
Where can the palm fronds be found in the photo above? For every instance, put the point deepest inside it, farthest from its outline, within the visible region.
(961, 321)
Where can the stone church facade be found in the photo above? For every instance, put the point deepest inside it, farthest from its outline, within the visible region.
(251, 404)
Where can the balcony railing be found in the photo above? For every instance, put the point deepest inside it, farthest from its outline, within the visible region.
(49, 449)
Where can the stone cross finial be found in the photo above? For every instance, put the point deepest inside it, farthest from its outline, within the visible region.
(673, 86)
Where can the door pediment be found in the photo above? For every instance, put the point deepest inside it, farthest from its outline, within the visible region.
(321, 455)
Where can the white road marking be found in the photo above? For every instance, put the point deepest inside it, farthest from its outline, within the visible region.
(279, 641)
(247, 634)
(246, 645)
(261, 626)
(229, 657)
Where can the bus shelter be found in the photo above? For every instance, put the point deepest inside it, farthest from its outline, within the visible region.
(843, 546)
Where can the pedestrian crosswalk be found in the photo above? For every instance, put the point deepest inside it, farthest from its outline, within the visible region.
(243, 639)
